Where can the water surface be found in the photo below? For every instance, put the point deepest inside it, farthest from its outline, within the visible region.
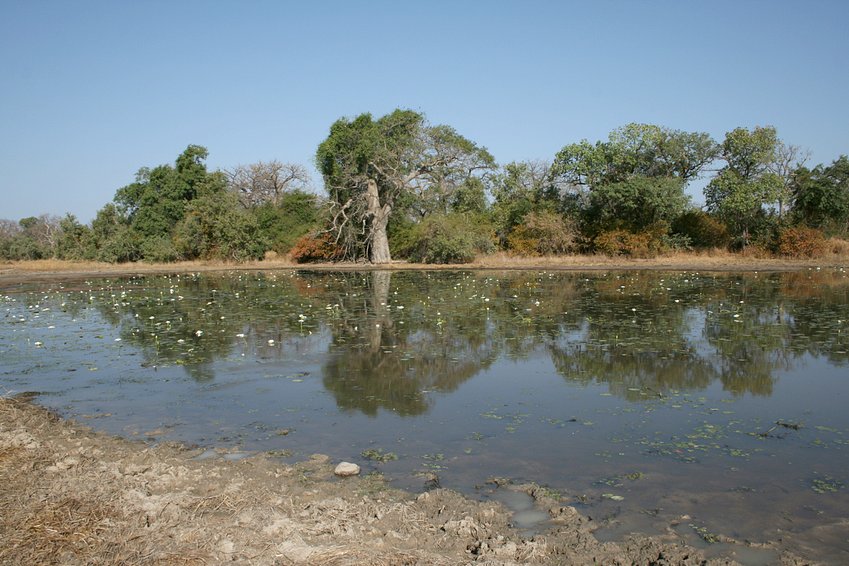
(716, 402)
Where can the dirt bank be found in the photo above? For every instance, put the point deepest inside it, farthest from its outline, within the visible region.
(73, 496)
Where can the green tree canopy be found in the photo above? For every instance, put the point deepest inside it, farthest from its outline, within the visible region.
(821, 196)
(156, 201)
(636, 150)
(748, 182)
(634, 179)
(520, 188)
(178, 212)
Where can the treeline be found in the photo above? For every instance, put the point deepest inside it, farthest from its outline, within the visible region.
(399, 187)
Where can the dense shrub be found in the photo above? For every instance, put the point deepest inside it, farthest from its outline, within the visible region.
(215, 226)
(402, 235)
(542, 233)
(616, 242)
(800, 241)
(450, 238)
(312, 247)
(702, 229)
(159, 250)
(647, 243)
(297, 213)
(677, 242)
(119, 247)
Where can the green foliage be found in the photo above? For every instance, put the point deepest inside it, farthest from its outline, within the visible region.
(73, 241)
(30, 238)
(23, 247)
(216, 227)
(821, 196)
(450, 238)
(701, 229)
(395, 163)
(747, 183)
(158, 199)
(111, 238)
(542, 233)
(635, 204)
(641, 150)
(634, 180)
(297, 214)
(402, 234)
(519, 189)
(362, 148)
(159, 249)
(470, 197)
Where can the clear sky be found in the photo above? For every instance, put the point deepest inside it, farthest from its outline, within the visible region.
(90, 91)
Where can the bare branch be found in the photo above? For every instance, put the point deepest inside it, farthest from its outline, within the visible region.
(261, 183)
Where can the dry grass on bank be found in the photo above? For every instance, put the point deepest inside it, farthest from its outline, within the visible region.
(837, 253)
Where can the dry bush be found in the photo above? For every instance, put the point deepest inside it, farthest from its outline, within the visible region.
(800, 241)
(755, 251)
(838, 247)
(311, 248)
(645, 244)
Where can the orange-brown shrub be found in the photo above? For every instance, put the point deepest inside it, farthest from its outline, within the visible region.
(311, 247)
(648, 243)
(800, 241)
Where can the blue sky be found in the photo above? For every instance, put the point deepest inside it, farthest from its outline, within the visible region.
(91, 91)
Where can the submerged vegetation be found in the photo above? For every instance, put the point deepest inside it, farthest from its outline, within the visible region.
(399, 187)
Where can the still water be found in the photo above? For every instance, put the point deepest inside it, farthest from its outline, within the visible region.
(716, 403)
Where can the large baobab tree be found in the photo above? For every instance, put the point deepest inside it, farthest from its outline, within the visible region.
(370, 167)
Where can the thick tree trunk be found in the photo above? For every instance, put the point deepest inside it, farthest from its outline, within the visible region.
(379, 219)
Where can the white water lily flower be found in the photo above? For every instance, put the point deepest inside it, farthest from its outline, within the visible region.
(198, 332)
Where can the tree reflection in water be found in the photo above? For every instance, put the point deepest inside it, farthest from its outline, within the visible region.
(388, 339)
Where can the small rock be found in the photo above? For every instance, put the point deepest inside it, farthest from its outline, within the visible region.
(346, 469)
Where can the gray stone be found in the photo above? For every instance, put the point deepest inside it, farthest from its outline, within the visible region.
(346, 469)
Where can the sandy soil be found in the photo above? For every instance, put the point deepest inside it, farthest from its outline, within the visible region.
(73, 496)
